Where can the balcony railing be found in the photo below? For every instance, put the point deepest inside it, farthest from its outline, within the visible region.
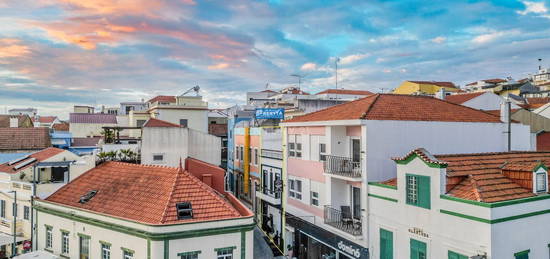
(274, 194)
(343, 166)
(274, 154)
(6, 226)
(343, 220)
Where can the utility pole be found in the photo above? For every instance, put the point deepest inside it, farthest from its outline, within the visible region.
(14, 227)
(299, 80)
(540, 60)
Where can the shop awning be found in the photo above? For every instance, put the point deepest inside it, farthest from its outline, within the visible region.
(37, 254)
(6, 239)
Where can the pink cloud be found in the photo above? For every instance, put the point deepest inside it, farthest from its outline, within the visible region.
(12, 48)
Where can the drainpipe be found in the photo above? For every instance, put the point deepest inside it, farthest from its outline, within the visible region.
(505, 117)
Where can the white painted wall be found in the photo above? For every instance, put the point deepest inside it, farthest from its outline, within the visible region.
(487, 101)
(387, 139)
(81, 130)
(196, 119)
(179, 143)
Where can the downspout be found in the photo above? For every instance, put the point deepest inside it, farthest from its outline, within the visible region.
(246, 160)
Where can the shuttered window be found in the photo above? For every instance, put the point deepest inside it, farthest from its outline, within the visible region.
(453, 255)
(418, 250)
(418, 190)
(386, 244)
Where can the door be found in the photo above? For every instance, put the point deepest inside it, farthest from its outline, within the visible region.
(356, 202)
(58, 174)
(418, 250)
(356, 150)
(386, 244)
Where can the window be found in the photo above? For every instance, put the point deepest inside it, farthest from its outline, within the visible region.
(453, 255)
(2, 208)
(14, 209)
(183, 122)
(189, 255)
(314, 198)
(522, 255)
(418, 249)
(356, 202)
(294, 146)
(541, 182)
(26, 212)
(127, 254)
(105, 251)
(386, 244)
(49, 237)
(322, 152)
(418, 190)
(356, 150)
(295, 189)
(184, 210)
(236, 152)
(158, 157)
(84, 246)
(224, 253)
(139, 123)
(64, 242)
(256, 156)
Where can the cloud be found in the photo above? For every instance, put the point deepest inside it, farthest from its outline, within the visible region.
(439, 39)
(533, 7)
(308, 66)
(353, 58)
(12, 48)
(218, 66)
(489, 37)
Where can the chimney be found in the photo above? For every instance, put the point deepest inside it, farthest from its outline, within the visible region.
(441, 93)
(505, 117)
(14, 122)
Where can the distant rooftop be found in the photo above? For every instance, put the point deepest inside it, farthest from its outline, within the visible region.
(94, 118)
(24, 138)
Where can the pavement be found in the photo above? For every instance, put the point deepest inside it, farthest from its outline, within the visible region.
(261, 248)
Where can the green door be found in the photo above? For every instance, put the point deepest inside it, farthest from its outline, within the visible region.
(418, 249)
(522, 255)
(386, 244)
(453, 255)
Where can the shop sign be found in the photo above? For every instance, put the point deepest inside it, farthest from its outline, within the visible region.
(419, 231)
(270, 113)
(349, 249)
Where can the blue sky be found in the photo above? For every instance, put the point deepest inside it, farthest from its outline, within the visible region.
(57, 53)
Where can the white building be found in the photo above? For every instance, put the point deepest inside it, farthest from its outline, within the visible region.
(187, 111)
(343, 94)
(332, 154)
(128, 211)
(83, 125)
(165, 143)
(486, 101)
(51, 168)
(31, 112)
(491, 205)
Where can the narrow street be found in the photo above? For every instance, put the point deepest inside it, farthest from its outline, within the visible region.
(261, 248)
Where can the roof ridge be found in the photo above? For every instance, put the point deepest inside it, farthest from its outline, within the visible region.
(364, 115)
(476, 188)
(166, 207)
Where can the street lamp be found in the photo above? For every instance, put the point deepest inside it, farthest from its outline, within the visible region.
(14, 211)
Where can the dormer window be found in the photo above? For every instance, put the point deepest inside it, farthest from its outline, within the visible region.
(184, 210)
(540, 182)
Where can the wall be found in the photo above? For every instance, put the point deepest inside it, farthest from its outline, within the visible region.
(387, 139)
(81, 130)
(487, 101)
(205, 147)
(196, 119)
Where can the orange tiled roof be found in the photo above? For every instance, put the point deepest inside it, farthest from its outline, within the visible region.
(39, 156)
(442, 84)
(462, 98)
(61, 126)
(345, 91)
(399, 107)
(486, 175)
(24, 138)
(163, 98)
(45, 119)
(144, 193)
(490, 81)
(152, 122)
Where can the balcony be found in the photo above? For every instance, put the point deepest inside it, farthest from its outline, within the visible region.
(273, 154)
(343, 220)
(6, 226)
(270, 196)
(344, 167)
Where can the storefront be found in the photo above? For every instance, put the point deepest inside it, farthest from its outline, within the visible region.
(313, 242)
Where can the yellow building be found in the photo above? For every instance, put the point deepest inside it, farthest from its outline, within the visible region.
(424, 87)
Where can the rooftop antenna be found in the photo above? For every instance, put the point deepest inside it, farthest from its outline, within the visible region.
(540, 60)
(299, 79)
(196, 89)
(336, 74)
(267, 86)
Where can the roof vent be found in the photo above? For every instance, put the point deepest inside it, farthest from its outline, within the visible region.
(88, 196)
(184, 209)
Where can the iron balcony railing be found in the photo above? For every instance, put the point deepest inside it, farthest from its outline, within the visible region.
(343, 166)
(343, 220)
(274, 194)
(274, 154)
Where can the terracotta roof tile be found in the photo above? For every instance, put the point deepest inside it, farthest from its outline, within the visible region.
(345, 91)
(145, 193)
(490, 81)
(163, 98)
(156, 123)
(399, 107)
(39, 156)
(462, 98)
(45, 119)
(85, 142)
(24, 138)
(61, 126)
(5, 120)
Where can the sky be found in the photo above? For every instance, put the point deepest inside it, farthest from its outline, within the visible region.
(58, 53)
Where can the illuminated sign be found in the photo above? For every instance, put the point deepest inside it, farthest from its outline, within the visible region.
(270, 113)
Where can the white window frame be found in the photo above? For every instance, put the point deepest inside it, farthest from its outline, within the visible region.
(105, 251)
(49, 237)
(314, 198)
(65, 243)
(295, 146)
(293, 190)
(536, 182)
(322, 154)
(127, 254)
(224, 253)
(411, 189)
